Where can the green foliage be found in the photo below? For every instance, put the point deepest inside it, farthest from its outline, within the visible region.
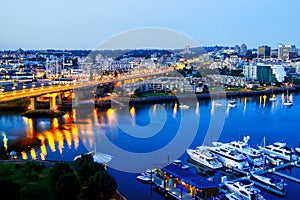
(32, 184)
(67, 187)
(59, 169)
(32, 180)
(105, 185)
(86, 167)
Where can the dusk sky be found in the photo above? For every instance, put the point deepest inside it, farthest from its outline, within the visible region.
(77, 24)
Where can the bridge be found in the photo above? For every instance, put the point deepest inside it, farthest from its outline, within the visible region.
(53, 91)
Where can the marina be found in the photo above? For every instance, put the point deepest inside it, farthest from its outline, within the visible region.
(176, 180)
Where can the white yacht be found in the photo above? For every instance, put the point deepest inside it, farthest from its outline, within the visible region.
(246, 191)
(273, 98)
(183, 106)
(231, 105)
(203, 156)
(229, 156)
(280, 150)
(269, 181)
(254, 156)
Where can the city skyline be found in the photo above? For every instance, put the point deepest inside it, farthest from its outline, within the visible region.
(77, 25)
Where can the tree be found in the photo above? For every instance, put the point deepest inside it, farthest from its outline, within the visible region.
(59, 169)
(86, 167)
(104, 185)
(67, 187)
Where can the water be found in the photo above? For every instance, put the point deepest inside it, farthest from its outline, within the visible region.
(149, 135)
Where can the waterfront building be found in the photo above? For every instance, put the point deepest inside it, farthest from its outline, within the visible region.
(176, 180)
(268, 73)
(264, 52)
(250, 71)
(264, 72)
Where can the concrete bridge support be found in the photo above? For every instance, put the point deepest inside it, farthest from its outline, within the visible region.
(52, 101)
(33, 103)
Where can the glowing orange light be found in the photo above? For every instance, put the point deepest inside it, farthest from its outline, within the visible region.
(24, 155)
(175, 110)
(33, 154)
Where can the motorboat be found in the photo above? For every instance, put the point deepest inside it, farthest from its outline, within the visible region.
(287, 101)
(274, 160)
(217, 104)
(146, 177)
(273, 98)
(229, 156)
(180, 164)
(202, 155)
(280, 150)
(183, 106)
(245, 191)
(297, 150)
(233, 196)
(232, 101)
(269, 181)
(254, 156)
(231, 105)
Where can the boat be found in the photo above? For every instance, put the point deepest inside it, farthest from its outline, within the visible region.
(233, 196)
(217, 104)
(232, 101)
(280, 150)
(245, 191)
(231, 105)
(272, 97)
(144, 178)
(287, 101)
(183, 106)
(254, 156)
(229, 156)
(269, 181)
(274, 160)
(297, 150)
(203, 156)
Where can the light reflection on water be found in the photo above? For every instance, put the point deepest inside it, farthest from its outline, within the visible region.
(61, 138)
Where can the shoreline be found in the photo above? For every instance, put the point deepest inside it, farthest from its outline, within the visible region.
(161, 99)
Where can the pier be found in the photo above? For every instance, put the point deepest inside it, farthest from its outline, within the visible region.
(287, 177)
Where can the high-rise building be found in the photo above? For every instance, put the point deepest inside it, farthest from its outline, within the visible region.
(264, 52)
(284, 51)
(237, 49)
(243, 50)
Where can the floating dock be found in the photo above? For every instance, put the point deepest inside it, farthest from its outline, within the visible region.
(291, 178)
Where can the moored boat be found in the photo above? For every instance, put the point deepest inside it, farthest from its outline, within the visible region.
(246, 191)
(203, 156)
(280, 150)
(269, 181)
(229, 156)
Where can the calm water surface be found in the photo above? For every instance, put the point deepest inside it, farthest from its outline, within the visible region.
(66, 137)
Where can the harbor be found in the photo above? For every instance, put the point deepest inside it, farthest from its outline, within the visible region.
(179, 181)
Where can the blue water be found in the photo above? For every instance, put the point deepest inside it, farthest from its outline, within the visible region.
(152, 135)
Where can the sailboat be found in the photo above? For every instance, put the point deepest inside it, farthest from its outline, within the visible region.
(273, 96)
(287, 101)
